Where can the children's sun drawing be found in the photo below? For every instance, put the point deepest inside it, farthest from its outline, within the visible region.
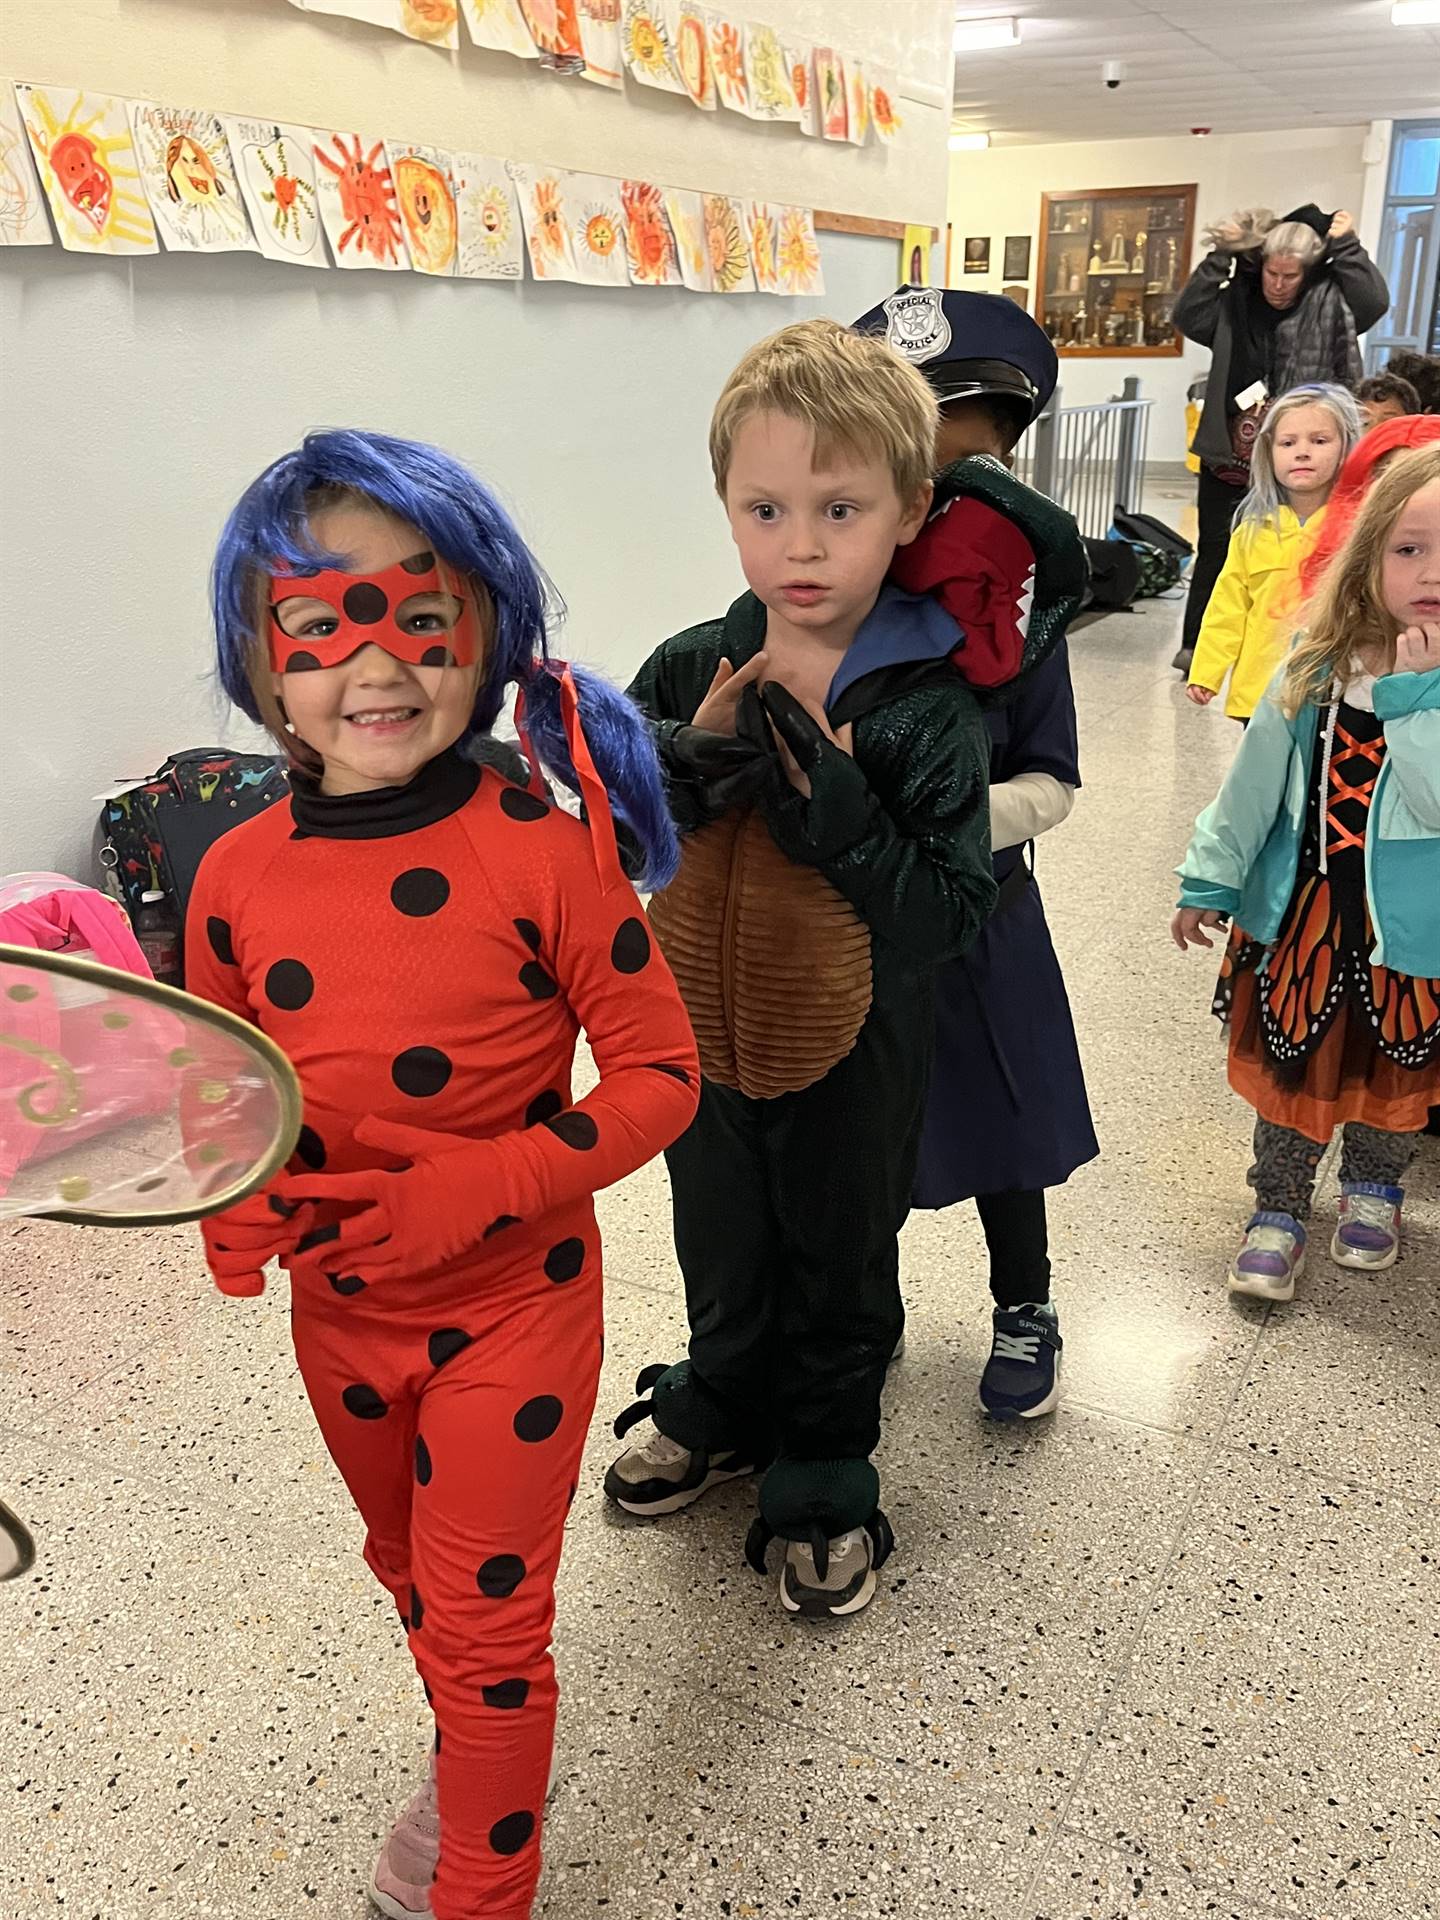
(367, 198)
(94, 180)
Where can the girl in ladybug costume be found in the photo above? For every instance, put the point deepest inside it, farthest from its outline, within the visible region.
(425, 936)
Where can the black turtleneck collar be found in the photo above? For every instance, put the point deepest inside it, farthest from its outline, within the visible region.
(440, 788)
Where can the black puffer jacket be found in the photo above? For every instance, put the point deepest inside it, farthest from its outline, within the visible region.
(1344, 293)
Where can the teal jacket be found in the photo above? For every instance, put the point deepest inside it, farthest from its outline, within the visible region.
(1245, 852)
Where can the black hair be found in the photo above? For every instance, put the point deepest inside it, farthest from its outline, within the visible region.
(1009, 417)
(1422, 370)
(1390, 386)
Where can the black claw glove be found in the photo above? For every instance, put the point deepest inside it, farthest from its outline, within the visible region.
(718, 771)
(839, 811)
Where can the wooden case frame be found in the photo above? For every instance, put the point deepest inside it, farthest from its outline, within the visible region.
(1102, 197)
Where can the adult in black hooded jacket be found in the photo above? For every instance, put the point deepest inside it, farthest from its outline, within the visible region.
(1278, 303)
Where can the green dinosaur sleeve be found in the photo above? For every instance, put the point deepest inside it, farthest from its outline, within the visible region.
(668, 690)
(903, 828)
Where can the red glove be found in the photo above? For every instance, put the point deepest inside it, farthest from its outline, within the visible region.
(239, 1242)
(413, 1218)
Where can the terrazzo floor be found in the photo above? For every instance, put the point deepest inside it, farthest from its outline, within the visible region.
(1173, 1652)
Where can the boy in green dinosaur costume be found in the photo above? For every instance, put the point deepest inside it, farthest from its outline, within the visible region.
(827, 764)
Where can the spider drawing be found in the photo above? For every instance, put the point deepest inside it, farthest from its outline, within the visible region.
(367, 199)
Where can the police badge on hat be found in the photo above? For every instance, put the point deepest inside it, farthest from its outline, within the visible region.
(915, 323)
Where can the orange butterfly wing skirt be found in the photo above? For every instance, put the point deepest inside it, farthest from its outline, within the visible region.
(1319, 1036)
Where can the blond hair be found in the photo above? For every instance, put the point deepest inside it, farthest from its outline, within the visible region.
(1348, 616)
(852, 390)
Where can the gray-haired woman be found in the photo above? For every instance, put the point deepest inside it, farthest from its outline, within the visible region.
(1280, 303)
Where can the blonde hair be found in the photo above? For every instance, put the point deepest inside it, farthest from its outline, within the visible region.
(1348, 615)
(852, 390)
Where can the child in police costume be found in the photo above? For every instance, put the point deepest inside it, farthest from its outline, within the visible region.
(1007, 1114)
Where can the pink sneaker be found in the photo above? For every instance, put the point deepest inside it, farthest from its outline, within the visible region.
(400, 1884)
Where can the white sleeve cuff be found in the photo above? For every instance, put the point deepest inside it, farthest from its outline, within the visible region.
(1027, 806)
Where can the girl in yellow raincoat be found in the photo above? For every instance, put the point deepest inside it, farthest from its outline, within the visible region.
(1248, 623)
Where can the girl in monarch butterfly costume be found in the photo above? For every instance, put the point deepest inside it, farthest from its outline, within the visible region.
(1324, 845)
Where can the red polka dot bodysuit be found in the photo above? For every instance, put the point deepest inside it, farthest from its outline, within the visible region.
(427, 956)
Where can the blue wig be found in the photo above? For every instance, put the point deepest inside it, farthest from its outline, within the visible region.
(470, 531)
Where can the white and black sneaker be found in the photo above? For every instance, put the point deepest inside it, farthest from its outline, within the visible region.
(827, 1579)
(662, 1476)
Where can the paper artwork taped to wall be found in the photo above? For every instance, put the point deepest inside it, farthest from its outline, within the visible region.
(800, 60)
(22, 198)
(727, 244)
(425, 195)
(647, 47)
(555, 29)
(686, 215)
(548, 238)
(374, 13)
(859, 102)
(189, 179)
(499, 26)
(884, 112)
(830, 90)
(491, 243)
(600, 42)
(772, 97)
(648, 239)
(727, 57)
(276, 170)
(434, 21)
(357, 202)
(437, 22)
(799, 252)
(85, 155)
(596, 217)
(692, 57)
(762, 227)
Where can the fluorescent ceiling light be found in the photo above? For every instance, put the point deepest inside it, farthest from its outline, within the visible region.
(1415, 13)
(969, 142)
(971, 35)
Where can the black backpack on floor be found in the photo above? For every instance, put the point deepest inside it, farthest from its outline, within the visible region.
(1163, 553)
(153, 836)
(1114, 576)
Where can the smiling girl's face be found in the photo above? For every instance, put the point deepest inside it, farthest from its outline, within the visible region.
(374, 720)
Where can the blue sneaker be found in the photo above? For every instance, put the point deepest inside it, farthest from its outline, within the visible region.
(1022, 1376)
(1271, 1255)
(1368, 1233)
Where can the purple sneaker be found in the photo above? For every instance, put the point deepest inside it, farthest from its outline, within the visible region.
(1271, 1255)
(1368, 1233)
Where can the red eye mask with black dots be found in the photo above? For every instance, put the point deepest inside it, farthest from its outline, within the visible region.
(406, 609)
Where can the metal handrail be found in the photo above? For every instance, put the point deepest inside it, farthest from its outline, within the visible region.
(1090, 459)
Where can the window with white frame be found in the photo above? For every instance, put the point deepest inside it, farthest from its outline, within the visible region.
(1409, 250)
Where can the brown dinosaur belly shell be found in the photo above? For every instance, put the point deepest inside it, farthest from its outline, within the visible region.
(773, 963)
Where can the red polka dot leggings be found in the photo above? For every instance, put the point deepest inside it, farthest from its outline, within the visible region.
(457, 1412)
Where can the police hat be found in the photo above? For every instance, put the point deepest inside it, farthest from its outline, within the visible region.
(967, 344)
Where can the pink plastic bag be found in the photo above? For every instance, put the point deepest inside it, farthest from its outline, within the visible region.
(55, 1036)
